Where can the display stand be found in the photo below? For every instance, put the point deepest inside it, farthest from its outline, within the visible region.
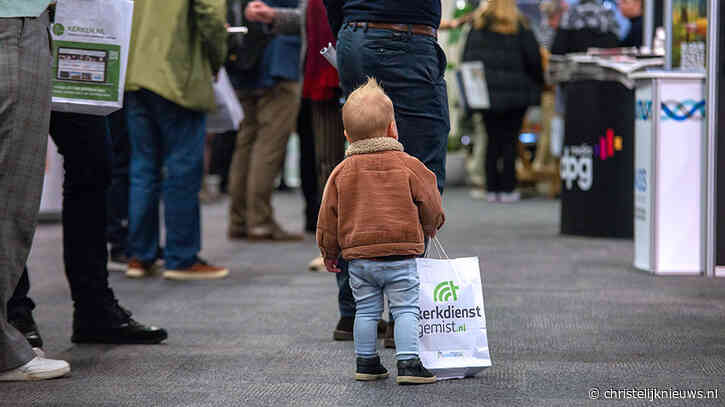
(669, 172)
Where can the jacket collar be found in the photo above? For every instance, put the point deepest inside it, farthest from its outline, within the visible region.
(373, 145)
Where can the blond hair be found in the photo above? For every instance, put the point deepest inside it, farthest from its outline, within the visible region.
(368, 112)
(501, 16)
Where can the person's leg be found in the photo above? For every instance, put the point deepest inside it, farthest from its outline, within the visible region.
(366, 281)
(329, 138)
(493, 152)
(20, 312)
(24, 116)
(307, 164)
(277, 115)
(410, 68)
(401, 287)
(117, 225)
(221, 157)
(346, 303)
(509, 141)
(85, 145)
(239, 169)
(182, 135)
(145, 178)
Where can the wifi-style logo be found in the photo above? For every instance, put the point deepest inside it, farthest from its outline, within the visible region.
(444, 291)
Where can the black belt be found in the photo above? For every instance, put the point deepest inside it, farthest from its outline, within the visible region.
(419, 29)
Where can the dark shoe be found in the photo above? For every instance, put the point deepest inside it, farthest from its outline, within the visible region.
(411, 371)
(26, 325)
(115, 327)
(369, 369)
(344, 329)
(382, 328)
(389, 340)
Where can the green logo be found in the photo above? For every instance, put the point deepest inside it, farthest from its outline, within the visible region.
(58, 29)
(444, 291)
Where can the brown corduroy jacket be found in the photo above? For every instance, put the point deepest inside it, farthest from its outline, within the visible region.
(378, 202)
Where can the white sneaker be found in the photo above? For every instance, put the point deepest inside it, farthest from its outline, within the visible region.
(37, 369)
(510, 197)
(477, 193)
(317, 265)
(39, 352)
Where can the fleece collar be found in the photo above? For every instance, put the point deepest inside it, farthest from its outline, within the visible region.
(373, 145)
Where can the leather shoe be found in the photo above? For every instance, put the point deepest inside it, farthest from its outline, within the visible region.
(26, 326)
(275, 233)
(114, 330)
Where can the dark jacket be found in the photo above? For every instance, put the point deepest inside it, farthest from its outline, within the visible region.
(513, 66)
(634, 37)
(585, 25)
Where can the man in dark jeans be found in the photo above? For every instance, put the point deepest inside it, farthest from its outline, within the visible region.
(84, 142)
(395, 42)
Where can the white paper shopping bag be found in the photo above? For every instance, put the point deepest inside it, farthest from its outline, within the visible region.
(90, 54)
(229, 113)
(453, 341)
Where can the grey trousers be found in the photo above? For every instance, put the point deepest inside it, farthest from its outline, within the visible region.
(24, 118)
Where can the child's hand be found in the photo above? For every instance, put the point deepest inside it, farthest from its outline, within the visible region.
(331, 266)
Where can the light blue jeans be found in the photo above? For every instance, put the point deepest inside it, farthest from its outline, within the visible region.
(369, 279)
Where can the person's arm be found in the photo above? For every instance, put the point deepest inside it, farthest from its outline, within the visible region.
(279, 20)
(287, 21)
(210, 18)
(334, 15)
(424, 188)
(532, 56)
(327, 221)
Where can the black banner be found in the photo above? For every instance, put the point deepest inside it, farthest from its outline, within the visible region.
(720, 151)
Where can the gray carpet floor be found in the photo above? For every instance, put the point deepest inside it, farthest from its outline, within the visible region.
(565, 315)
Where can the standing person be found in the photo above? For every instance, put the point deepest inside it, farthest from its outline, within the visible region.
(84, 143)
(380, 237)
(632, 9)
(502, 39)
(584, 25)
(24, 119)
(320, 122)
(176, 49)
(269, 90)
(395, 42)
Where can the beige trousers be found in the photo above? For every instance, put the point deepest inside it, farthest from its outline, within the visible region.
(270, 115)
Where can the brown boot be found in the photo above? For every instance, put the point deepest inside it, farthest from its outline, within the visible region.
(389, 340)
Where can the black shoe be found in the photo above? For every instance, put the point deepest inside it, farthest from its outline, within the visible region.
(411, 371)
(115, 327)
(344, 329)
(26, 325)
(369, 369)
(389, 338)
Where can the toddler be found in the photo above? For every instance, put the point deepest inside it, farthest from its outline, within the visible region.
(379, 206)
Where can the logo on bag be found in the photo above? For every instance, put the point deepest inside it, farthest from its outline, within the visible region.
(58, 29)
(444, 291)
